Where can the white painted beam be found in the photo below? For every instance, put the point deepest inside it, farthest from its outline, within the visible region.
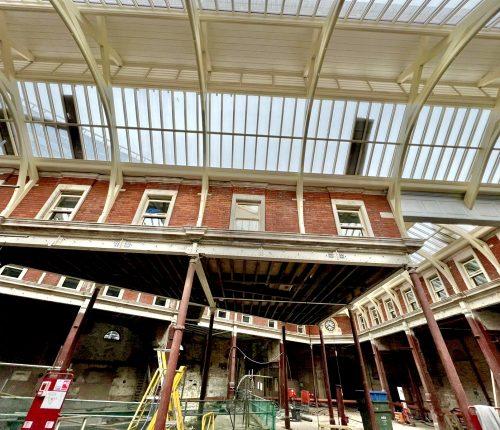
(488, 140)
(73, 20)
(313, 69)
(489, 78)
(441, 268)
(204, 284)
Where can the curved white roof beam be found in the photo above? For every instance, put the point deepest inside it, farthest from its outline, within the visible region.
(76, 23)
(449, 47)
(488, 140)
(10, 93)
(200, 47)
(441, 268)
(313, 70)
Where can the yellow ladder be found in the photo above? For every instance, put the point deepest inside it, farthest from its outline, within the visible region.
(208, 422)
(150, 397)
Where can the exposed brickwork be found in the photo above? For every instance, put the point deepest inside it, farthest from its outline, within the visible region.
(447, 286)
(490, 269)
(426, 290)
(457, 275)
(187, 204)
(32, 275)
(130, 295)
(318, 213)
(6, 193)
(218, 209)
(399, 293)
(92, 207)
(344, 324)
(51, 279)
(146, 298)
(281, 211)
(494, 244)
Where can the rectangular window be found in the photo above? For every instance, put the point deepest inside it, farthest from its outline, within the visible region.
(475, 272)
(12, 272)
(362, 322)
(247, 213)
(155, 208)
(223, 314)
(113, 292)
(160, 301)
(301, 329)
(410, 300)
(64, 202)
(390, 309)
(351, 218)
(438, 288)
(271, 324)
(247, 319)
(375, 316)
(69, 282)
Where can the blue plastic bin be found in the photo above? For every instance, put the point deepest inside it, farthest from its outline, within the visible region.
(378, 396)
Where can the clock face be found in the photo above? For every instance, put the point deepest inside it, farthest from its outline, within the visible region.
(330, 325)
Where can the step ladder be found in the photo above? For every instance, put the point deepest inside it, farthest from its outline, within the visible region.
(145, 415)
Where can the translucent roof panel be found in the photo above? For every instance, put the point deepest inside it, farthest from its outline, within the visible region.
(7, 131)
(252, 132)
(445, 142)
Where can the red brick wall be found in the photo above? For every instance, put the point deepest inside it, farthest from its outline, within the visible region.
(218, 209)
(130, 295)
(399, 293)
(6, 193)
(490, 270)
(39, 194)
(281, 211)
(344, 324)
(426, 290)
(494, 244)
(32, 275)
(92, 206)
(187, 205)
(51, 279)
(457, 275)
(318, 213)
(146, 298)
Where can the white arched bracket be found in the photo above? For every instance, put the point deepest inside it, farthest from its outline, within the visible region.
(76, 22)
(313, 71)
(441, 268)
(28, 172)
(476, 243)
(450, 47)
(377, 305)
(201, 51)
(488, 140)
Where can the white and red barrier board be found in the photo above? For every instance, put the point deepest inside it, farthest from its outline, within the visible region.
(48, 401)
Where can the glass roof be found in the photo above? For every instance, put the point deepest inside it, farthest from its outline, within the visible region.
(256, 132)
(433, 12)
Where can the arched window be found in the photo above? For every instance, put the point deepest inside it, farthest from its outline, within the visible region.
(112, 335)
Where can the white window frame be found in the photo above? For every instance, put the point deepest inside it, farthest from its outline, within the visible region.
(107, 287)
(250, 198)
(469, 278)
(271, 324)
(408, 303)
(301, 329)
(388, 310)
(61, 189)
(250, 319)
(167, 302)
(63, 278)
(375, 315)
(228, 314)
(155, 194)
(362, 322)
(354, 205)
(21, 275)
(433, 290)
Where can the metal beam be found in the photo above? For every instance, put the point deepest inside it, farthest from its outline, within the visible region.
(489, 78)
(204, 284)
(315, 63)
(28, 172)
(454, 43)
(75, 22)
(201, 51)
(476, 243)
(488, 140)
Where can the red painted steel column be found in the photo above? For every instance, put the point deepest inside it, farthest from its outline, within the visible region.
(206, 366)
(426, 379)
(65, 355)
(315, 382)
(485, 345)
(442, 350)
(381, 373)
(340, 405)
(282, 396)
(168, 380)
(231, 387)
(326, 377)
(285, 378)
(368, 401)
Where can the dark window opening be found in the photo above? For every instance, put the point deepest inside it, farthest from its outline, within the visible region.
(357, 151)
(113, 336)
